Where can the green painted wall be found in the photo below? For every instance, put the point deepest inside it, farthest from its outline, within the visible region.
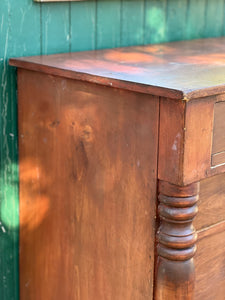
(28, 28)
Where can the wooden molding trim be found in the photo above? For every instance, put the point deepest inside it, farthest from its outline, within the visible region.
(176, 241)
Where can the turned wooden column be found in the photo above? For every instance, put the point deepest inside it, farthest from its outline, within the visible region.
(176, 241)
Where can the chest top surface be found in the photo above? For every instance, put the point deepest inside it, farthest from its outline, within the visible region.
(179, 70)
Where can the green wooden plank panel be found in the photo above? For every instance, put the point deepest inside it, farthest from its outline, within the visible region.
(83, 25)
(132, 27)
(9, 219)
(155, 21)
(55, 27)
(214, 18)
(17, 38)
(25, 28)
(108, 23)
(176, 20)
(195, 25)
(8, 182)
(224, 20)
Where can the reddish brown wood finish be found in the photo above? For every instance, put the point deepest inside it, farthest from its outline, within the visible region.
(88, 170)
(185, 140)
(168, 70)
(218, 147)
(198, 139)
(94, 137)
(211, 202)
(171, 140)
(210, 264)
(219, 128)
(176, 239)
(180, 70)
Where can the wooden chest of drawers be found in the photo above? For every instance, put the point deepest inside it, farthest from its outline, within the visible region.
(117, 150)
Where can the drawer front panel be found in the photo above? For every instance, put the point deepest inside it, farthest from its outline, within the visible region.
(210, 264)
(218, 146)
(211, 202)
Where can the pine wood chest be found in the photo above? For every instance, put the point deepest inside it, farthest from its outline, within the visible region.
(122, 184)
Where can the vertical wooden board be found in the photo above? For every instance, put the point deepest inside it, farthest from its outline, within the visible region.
(198, 131)
(8, 148)
(83, 25)
(195, 25)
(214, 18)
(88, 219)
(25, 28)
(22, 40)
(132, 26)
(108, 24)
(171, 140)
(16, 40)
(4, 30)
(176, 20)
(224, 20)
(9, 219)
(55, 27)
(155, 21)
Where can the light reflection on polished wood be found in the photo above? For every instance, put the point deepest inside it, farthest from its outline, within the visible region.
(88, 162)
(91, 125)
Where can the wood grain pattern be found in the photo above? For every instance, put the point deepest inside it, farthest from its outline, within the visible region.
(21, 33)
(198, 139)
(211, 202)
(210, 264)
(16, 39)
(182, 70)
(185, 141)
(218, 146)
(171, 140)
(111, 137)
(88, 159)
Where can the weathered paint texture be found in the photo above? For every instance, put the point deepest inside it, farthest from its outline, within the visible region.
(28, 28)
